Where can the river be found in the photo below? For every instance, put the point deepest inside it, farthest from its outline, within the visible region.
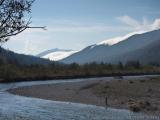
(13, 107)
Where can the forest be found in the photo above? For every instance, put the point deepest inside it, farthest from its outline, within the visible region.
(11, 71)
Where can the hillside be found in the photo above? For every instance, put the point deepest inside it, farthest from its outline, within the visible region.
(137, 45)
(22, 59)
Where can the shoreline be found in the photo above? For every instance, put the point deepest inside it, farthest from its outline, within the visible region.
(118, 92)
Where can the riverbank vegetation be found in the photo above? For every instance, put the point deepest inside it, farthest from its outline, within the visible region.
(11, 71)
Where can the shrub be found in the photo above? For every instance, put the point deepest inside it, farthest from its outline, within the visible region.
(138, 105)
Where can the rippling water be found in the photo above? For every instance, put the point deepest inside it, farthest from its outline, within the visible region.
(14, 107)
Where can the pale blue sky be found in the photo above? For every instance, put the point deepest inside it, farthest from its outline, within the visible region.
(75, 24)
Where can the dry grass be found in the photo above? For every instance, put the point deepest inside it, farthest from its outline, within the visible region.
(136, 95)
(139, 105)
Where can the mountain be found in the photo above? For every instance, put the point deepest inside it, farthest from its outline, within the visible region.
(56, 54)
(143, 47)
(147, 54)
(22, 59)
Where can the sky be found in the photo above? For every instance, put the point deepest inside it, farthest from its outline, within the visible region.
(75, 24)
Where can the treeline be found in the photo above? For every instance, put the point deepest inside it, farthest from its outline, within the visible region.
(12, 71)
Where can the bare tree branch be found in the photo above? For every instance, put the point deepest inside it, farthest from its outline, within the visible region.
(1, 2)
(13, 18)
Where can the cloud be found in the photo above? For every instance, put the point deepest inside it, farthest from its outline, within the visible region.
(129, 21)
(156, 24)
(144, 25)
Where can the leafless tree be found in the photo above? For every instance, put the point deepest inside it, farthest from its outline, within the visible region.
(14, 17)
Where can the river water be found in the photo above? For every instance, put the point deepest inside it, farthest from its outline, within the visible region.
(13, 107)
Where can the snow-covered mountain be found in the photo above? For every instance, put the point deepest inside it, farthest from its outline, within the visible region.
(142, 46)
(56, 54)
(116, 40)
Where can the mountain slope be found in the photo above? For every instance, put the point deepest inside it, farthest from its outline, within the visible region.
(22, 59)
(148, 54)
(56, 54)
(112, 53)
